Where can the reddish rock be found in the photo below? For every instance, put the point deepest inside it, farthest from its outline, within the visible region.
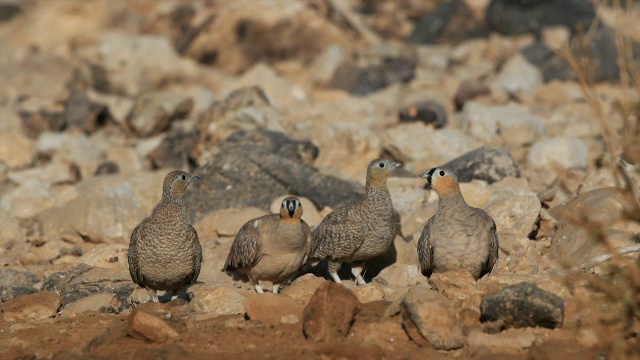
(146, 326)
(330, 313)
(303, 288)
(368, 293)
(271, 308)
(434, 316)
(36, 306)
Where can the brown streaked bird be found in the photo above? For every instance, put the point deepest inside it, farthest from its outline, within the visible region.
(359, 230)
(272, 247)
(458, 236)
(165, 252)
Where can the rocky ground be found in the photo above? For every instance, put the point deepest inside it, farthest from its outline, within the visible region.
(532, 106)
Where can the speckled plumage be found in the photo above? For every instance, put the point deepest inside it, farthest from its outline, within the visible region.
(272, 247)
(458, 236)
(164, 251)
(360, 230)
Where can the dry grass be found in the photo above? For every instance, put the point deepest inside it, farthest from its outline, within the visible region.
(622, 287)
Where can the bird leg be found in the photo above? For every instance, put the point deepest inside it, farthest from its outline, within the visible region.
(153, 295)
(258, 288)
(333, 270)
(175, 293)
(275, 288)
(356, 270)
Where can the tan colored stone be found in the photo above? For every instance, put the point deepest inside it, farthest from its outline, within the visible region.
(150, 327)
(225, 222)
(215, 300)
(368, 293)
(98, 302)
(302, 289)
(272, 309)
(16, 150)
(36, 306)
(511, 340)
(110, 256)
(400, 275)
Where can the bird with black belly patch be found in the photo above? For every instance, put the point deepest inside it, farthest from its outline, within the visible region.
(458, 236)
(272, 247)
(164, 251)
(360, 230)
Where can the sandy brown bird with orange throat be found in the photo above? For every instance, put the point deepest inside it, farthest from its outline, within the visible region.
(458, 236)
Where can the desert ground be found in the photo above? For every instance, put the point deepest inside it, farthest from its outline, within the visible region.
(533, 104)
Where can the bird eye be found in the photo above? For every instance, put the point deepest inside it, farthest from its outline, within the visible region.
(441, 173)
(183, 177)
(381, 165)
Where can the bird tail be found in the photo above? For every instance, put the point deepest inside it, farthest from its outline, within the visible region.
(233, 273)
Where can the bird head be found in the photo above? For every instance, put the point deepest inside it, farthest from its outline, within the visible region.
(175, 183)
(379, 170)
(291, 208)
(444, 181)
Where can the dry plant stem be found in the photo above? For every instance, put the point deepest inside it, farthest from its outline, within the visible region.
(606, 257)
(353, 21)
(586, 86)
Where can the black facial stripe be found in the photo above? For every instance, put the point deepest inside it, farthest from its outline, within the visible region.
(430, 173)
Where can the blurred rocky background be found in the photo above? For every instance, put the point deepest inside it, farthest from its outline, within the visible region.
(533, 103)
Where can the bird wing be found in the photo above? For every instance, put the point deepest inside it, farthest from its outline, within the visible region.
(245, 251)
(339, 235)
(307, 235)
(493, 245)
(134, 269)
(425, 251)
(197, 256)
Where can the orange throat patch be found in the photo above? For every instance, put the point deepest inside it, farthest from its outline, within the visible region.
(446, 186)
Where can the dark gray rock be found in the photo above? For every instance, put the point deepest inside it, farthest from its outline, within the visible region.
(84, 280)
(82, 113)
(428, 112)
(37, 122)
(552, 65)
(511, 17)
(602, 53)
(9, 9)
(523, 305)
(14, 283)
(450, 21)
(173, 152)
(468, 90)
(488, 164)
(429, 28)
(362, 79)
(252, 168)
(154, 111)
(55, 282)
(107, 168)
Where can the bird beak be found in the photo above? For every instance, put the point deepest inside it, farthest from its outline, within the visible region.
(397, 165)
(195, 178)
(428, 175)
(291, 209)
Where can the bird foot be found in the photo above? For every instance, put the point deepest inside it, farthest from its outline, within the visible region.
(153, 295)
(335, 277)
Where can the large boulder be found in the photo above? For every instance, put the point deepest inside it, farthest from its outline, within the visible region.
(254, 167)
(106, 210)
(576, 243)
